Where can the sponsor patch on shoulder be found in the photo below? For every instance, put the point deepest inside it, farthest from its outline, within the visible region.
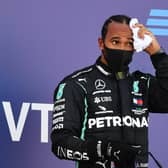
(60, 91)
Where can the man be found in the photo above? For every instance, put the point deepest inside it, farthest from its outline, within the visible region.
(100, 116)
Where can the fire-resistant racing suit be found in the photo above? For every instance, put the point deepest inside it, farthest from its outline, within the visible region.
(93, 103)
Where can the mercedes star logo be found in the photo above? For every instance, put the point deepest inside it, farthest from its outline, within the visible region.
(100, 84)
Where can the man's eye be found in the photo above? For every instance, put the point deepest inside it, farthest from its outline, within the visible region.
(115, 42)
(130, 43)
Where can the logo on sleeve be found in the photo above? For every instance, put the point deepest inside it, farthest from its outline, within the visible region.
(138, 101)
(60, 91)
(136, 86)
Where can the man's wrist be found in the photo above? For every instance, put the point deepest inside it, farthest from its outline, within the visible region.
(160, 51)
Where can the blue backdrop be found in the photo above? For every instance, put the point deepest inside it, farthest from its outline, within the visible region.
(41, 41)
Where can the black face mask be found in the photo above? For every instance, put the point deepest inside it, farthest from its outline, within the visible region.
(118, 60)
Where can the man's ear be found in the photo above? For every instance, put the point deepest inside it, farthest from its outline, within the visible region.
(101, 43)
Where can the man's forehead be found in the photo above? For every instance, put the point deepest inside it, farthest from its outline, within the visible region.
(119, 28)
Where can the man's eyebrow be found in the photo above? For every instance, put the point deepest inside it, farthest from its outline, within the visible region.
(114, 37)
(117, 37)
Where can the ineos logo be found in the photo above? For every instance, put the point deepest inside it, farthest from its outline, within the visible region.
(100, 84)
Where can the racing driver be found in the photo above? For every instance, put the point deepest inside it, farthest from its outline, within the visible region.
(101, 112)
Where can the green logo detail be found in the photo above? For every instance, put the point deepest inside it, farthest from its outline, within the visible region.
(135, 86)
(60, 91)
